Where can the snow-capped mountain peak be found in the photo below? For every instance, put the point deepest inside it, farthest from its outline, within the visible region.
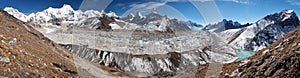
(286, 14)
(289, 11)
(111, 14)
(264, 32)
(139, 15)
(63, 10)
(16, 13)
(66, 17)
(154, 11)
(67, 7)
(102, 12)
(155, 21)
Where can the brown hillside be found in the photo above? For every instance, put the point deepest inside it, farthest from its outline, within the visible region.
(281, 59)
(24, 52)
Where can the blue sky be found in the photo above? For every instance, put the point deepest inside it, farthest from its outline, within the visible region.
(200, 11)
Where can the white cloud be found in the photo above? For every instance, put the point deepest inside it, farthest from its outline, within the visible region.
(235, 1)
(159, 3)
(94, 4)
(294, 2)
(239, 1)
(149, 5)
(185, 0)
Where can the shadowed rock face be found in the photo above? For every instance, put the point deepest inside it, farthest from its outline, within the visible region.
(280, 59)
(189, 61)
(284, 23)
(284, 18)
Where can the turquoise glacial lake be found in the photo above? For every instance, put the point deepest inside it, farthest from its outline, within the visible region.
(243, 54)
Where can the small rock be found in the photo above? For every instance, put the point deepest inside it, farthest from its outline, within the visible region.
(4, 59)
(31, 65)
(8, 70)
(10, 41)
(14, 56)
(226, 74)
(234, 73)
(27, 73)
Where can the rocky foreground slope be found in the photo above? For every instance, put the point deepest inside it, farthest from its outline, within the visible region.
(24, 52)
(280, 59)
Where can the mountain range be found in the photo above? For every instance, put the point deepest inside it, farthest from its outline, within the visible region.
(67, 17)
(252, 37)
(154, 43)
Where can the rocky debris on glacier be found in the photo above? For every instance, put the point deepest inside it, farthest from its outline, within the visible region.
(189, 61)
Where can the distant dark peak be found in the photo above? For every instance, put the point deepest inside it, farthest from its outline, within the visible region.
(194, 24)
(247, 24)
(224, 20)
(130, 15)
(165, 16)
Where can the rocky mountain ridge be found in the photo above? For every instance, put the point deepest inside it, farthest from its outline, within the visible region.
(260, 34)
